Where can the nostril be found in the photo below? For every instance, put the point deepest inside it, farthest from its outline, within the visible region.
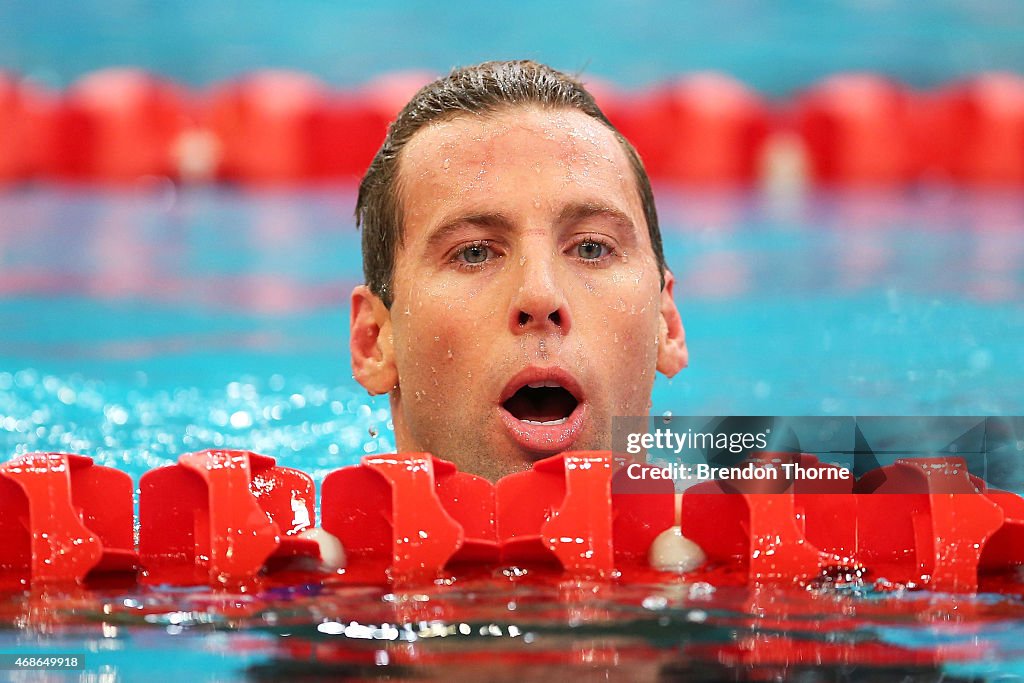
(556, 318)
(523, 318)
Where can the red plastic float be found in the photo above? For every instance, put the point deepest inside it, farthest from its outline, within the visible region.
(62, 517)
(935, 507)
(226, 516)
(13, 147)
(706, 129)
(350, 130)
(765, 524)
(974, 131)
(265, 126)
(344, 136)
(922, 521)
(858, 130)
(576, 509)
(222, 515)
(390, 514)
(287, 127)
(415, 515)
(118, 125)
(26, 128)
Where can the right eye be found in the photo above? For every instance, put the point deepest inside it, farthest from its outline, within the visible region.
(474, 255)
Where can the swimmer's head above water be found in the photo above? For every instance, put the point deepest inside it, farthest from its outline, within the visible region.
(516, 294)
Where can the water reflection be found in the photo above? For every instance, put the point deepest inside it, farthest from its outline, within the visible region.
(287, 251)
(502, 629)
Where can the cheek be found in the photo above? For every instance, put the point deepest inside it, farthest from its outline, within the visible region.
(628, 301)
(629, 325)
(443, 328)
(444, 290)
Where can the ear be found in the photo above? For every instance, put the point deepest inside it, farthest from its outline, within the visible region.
(672, 353)
(371, 343)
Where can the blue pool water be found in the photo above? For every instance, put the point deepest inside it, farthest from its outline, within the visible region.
(137, 326)
(140, 326)
(775, 47)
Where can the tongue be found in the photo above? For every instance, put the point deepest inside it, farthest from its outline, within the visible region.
(547, 404)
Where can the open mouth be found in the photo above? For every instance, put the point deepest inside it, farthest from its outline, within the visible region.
(541, 403)
(544, 410)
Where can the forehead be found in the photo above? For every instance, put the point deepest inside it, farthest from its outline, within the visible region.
(514, 157)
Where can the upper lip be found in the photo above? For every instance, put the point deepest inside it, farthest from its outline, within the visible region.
(534, 374)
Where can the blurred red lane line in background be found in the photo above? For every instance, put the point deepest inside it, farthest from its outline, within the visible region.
(702, 129)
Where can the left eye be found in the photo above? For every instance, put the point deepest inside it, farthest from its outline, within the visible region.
(475, 253)
(590, 250)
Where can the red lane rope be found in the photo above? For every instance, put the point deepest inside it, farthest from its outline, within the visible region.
(118, 126)
(227, 517)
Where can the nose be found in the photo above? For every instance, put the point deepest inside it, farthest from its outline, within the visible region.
(539, 303)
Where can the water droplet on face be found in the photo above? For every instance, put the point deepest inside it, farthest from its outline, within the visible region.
(446, 164)
(522, 262)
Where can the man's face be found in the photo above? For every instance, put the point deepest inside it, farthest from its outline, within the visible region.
(528, 309)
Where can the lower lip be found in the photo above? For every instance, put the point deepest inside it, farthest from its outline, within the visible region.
(545, 439)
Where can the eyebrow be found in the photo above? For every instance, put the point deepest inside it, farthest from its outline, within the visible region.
(571, 213)
(483, 220)
(580, 211)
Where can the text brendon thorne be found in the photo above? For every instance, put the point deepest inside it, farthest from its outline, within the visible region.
(783, 471)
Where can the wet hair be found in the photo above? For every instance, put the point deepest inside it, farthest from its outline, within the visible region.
(479, 89)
